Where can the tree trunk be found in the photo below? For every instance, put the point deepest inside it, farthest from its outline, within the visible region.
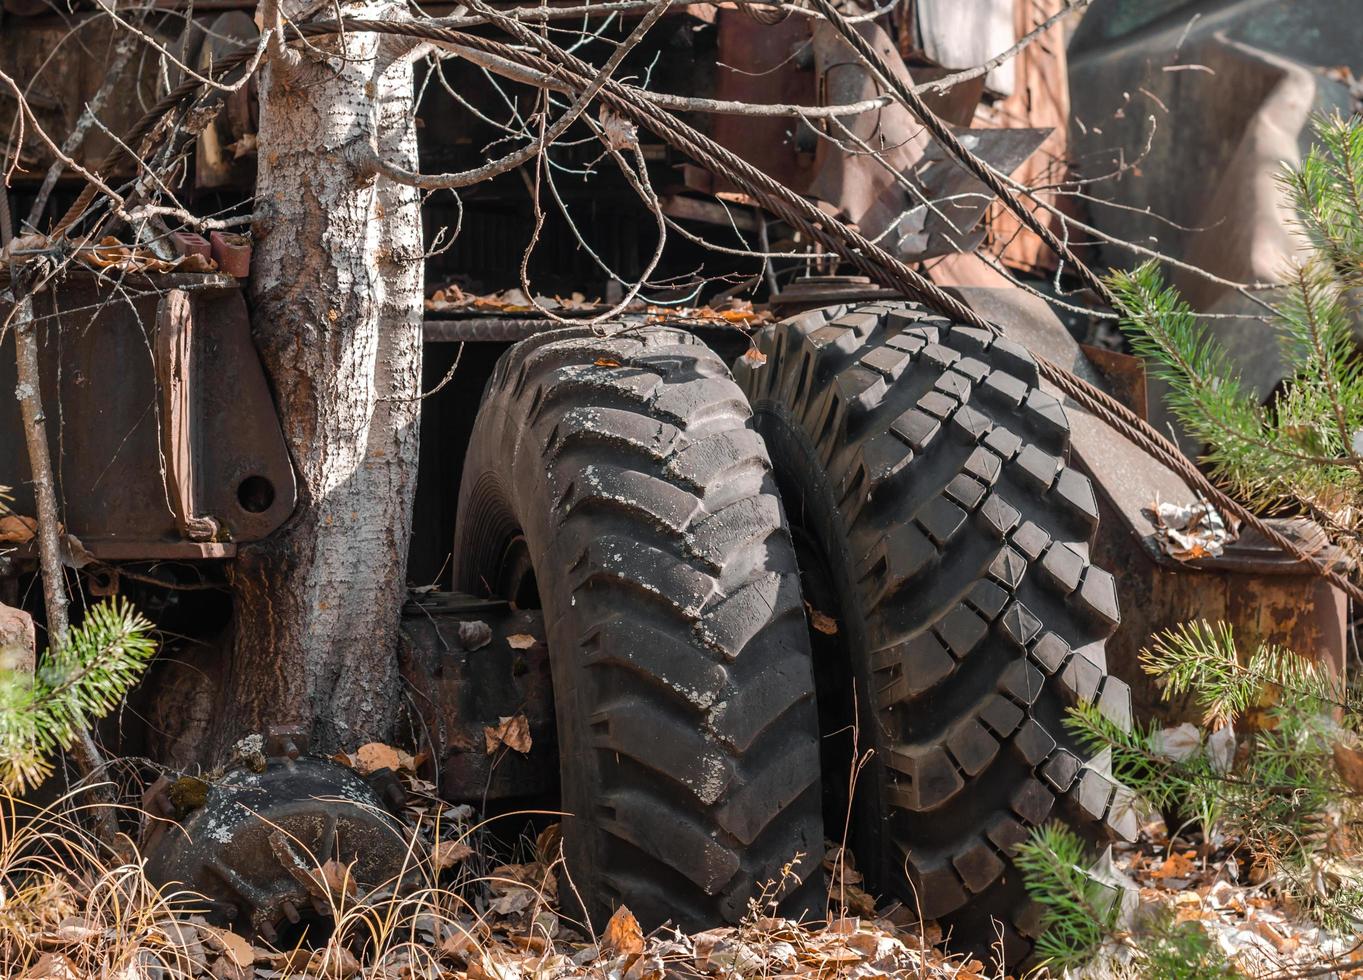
(336, 285)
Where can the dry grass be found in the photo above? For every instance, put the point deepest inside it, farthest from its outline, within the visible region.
(73, 908)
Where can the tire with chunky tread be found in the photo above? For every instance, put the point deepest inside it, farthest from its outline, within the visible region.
(628, 471)
(928, 470)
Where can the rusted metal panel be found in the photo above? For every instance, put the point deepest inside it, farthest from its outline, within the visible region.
(62, 62)
(1125, 376)
(167, 437)
(910, 195)
(467, 677)
(772, 65)
(1225, 91)
(1040, 98)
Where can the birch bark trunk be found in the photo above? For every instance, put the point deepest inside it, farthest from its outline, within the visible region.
(336, 289)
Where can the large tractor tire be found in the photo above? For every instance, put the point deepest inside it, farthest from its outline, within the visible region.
(618, 483)
(924, 473)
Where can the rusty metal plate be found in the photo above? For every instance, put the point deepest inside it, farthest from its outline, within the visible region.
(457, 659)
(1227, 89)
(160, 418)
(766, 65)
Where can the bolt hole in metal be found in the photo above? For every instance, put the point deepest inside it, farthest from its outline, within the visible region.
(255, 494)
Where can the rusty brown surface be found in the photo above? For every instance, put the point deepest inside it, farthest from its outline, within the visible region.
(169, 442)
(461, 691)
(1040, 99)
(1125, 376)
(62, 63)
(760, 64)
(1188, 112)
(1296, 610)
(254, 842)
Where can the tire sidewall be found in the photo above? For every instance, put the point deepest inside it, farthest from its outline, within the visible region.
(528, 503)
(797, 467)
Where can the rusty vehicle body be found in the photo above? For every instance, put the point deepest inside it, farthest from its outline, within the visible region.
(168, 463)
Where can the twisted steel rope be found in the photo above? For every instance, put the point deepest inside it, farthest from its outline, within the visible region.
(561, 68)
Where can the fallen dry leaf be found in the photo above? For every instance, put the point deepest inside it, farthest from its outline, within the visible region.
(111, 253)
(754, 357)
(448, 853)
(623, 935)
(606, 362)
(511, 902)
(72, 930)
(17, 530)
(333, 962)
(520, 641)
(1349, 765)
(548, 842)
(236, 948)
(513, 732)
(374, 756)
(822, 622)
(492, 964)
(337, 878)
(460, 946)
(517, 886)
(1176, 865)
(52, 966)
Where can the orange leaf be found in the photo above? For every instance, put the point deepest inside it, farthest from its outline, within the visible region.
(337, 878)
(374, 756)
(548, 842)
(822, 622)
(623, 935)
(236, 948)
(520, 641)
(1349, 765)
(17, 530)
(605, 362)
(1175, 866)
(513, 732)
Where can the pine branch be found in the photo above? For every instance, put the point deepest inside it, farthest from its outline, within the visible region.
(1078, 911)
(1303, 452)
(1204, 659)
(74, 685)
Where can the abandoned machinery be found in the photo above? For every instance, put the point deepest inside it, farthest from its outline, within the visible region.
(890, 537)
(666, 532)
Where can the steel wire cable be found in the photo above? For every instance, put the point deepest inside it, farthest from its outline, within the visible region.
(562, 68)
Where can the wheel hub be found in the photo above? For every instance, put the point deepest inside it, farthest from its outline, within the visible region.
(259, 847)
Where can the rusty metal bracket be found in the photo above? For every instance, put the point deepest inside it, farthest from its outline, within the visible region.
(170, 443)
(457, 655)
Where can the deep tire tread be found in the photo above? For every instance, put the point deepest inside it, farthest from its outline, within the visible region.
(631, 466)
(958, 539)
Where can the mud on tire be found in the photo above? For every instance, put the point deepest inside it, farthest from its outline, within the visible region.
(622, 481)
(924, 473)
